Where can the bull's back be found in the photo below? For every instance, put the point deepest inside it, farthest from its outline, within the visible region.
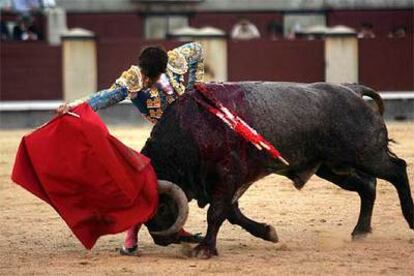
(305, 120)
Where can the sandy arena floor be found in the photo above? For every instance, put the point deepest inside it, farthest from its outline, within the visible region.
(314, 227)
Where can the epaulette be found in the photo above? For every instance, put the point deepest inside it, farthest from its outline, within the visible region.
(177, 62)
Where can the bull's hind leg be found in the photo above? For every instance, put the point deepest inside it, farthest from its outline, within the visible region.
(260, 230)
(389, 167)
(364, 185)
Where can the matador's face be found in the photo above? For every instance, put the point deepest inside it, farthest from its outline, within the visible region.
(148, 82)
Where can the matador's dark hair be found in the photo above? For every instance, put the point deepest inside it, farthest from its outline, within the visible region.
(153, 61)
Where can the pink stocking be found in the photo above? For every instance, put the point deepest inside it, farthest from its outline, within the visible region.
(131, 238)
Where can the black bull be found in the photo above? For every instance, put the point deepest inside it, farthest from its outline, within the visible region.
(320, 128)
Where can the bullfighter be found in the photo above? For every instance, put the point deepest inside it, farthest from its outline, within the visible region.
(153, 84)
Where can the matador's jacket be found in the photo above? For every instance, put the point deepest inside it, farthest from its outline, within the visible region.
(152, 102)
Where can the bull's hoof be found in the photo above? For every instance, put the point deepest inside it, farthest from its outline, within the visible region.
(358, 237)
(359, 234)
(203, 252)
(190, 238)
(271, 234)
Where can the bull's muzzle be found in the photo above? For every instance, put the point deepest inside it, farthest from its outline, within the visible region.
(166, 187)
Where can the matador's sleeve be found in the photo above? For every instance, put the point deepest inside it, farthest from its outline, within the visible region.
(129, 82)
(193, 55)
(103, 99)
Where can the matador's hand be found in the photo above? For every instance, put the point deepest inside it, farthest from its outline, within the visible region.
(62, 109)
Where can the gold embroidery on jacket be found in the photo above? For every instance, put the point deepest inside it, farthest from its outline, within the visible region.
(154, 103)
(155, 113)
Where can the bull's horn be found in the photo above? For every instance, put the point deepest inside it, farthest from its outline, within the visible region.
(166, 187)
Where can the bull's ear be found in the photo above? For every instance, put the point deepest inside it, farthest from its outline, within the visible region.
(166, 210)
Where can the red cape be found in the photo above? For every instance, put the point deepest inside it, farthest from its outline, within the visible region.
(97, 184)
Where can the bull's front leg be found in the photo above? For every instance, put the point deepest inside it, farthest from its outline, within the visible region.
(216, 214)
(230, 171)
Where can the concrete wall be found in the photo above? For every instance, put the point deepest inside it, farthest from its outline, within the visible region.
(55, 25)
(216, 60)
(341, 59)
(79, 64)
(228, 5)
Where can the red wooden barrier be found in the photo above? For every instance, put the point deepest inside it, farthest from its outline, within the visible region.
(30, 71)
(282, 60)
(383, 21)
(109, 25)
(33, 70)
(114, 57)
(387, 64)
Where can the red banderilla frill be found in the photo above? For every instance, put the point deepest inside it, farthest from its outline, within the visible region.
(235, 122)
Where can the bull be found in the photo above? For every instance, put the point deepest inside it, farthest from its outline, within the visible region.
(320, 128)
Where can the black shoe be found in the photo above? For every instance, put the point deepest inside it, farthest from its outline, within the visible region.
(132, 251)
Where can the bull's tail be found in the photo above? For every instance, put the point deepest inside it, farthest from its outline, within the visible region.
(363, 90)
